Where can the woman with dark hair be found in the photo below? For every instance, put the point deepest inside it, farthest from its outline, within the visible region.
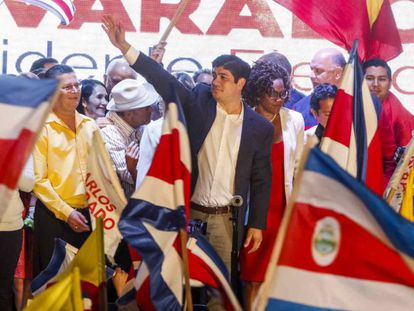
(94, 98)
(267, 90)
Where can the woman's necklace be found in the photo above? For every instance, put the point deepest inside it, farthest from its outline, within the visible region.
(274, 117)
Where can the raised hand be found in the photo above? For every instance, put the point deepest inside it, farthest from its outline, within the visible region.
(115, 32)
(158, 50)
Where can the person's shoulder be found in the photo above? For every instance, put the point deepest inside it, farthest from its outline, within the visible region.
(257, 118)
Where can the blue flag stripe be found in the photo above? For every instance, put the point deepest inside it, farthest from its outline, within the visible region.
(398, 230)
(283, 305)
(24, 92)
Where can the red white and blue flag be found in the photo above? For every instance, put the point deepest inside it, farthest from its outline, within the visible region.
(24, 106)
(351, 136)
(157, 211)
(206, 269)
(63, 9)
(343, 248)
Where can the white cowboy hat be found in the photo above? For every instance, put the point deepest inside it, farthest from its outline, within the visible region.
(130, 94)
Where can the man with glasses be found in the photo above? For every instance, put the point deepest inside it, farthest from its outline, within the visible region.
(326, 66)
(60, 159)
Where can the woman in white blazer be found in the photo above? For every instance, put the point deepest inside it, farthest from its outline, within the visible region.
(267, 90)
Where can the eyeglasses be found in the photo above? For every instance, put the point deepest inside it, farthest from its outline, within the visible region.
(276, 95)
(70, 87)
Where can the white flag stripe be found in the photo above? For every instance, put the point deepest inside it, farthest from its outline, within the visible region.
(347, 83)
(171, 265)
(350, 294)
(196, 250)
(369, 111)
(172, 122)
(341, 154)
(22, 118)
(158, 192)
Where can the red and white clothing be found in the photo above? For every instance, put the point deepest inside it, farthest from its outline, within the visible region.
(396, 124)
(285, 158)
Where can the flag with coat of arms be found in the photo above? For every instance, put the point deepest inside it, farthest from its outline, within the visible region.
(341, 247)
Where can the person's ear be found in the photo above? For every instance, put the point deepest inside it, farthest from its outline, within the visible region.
(314, 113)
(241, 83)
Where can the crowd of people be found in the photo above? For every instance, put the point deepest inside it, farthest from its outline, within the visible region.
(247, 128)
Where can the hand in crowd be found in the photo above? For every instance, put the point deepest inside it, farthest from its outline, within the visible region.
(78, 222)
(119, 280)
(158, 50)
(102, 122)
(115, 32)
(255, 237)
(131, 158)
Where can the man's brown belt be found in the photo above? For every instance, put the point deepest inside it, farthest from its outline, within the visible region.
(215, 210)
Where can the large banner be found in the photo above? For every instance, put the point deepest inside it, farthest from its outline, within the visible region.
(206, 29)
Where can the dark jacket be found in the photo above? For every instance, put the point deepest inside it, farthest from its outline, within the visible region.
(253, 169)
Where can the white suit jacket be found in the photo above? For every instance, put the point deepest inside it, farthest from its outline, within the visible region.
(293, 141)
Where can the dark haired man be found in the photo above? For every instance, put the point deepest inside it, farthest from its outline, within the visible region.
(60, 157)
(230, 144)
(321, 102)
(40, 66)
(396, 122)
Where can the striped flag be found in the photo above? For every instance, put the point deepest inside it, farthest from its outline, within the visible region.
(341, 22)
(63, 9)
(24, 106)
(351, 137)
(343, 247)
(65, 294)
(156, 213)
(91, 263)
(206, 269)
(104, 193)
(396, 187)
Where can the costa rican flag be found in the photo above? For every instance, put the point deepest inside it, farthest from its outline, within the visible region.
(206, 269)
(63, 9)
(63, 255)
(351, 137)
(156, 212)
(343, 247)
(24, 106)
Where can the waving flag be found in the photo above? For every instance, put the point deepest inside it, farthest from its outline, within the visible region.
(351, 136)
(24, 106)
(63, 295)
(104, 193)
(344, 248)
(63, 254)
(369, 21)
(90, 261)
(63, 9)
(156, 212)
(397, 185)
(206, 269)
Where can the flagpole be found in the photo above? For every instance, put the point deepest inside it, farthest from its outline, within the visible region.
(103, 297)
(262, 297)
(183, 239)
(174, 20)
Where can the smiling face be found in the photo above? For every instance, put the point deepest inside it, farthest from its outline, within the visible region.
(378, 82)
(224, 88)
(69, 94)
(95, 107)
